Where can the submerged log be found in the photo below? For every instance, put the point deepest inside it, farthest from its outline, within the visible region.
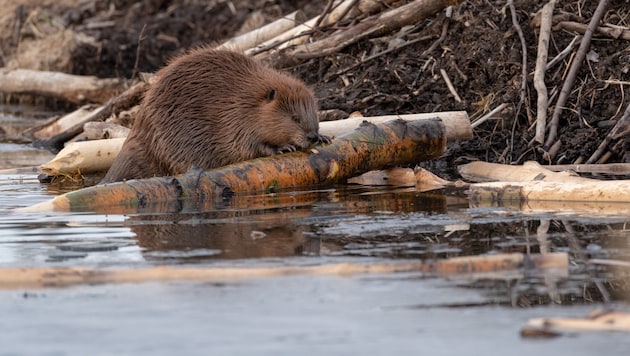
(369, 147)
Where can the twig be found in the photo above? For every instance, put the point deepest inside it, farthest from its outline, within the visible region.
(523, 49)
(575, 66)
(562, 55)
(539, 74)
(324, 13)
(140, 39)
(489, 115)
(450, 86)
(619, 127)
(376, 55)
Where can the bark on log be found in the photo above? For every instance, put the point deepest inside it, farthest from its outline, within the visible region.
(367, 148)
(56, 277)
(73, 88)
(80, 159)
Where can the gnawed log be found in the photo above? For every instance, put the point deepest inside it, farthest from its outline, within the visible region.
(469, 266)
(62, 123)
(124, 101)
(369, 147)
(73, 88)
(84, 157)
(255, 37)
(457, 126)
(532, 182)
(598, 320)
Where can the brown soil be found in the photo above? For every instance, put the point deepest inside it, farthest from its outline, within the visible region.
(481, 53)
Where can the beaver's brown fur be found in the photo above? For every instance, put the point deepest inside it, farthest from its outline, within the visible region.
(210, 108)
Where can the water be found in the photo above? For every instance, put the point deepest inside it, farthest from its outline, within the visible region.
(398, 313)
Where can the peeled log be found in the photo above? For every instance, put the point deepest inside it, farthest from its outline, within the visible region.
(369, 147)
(76, 89)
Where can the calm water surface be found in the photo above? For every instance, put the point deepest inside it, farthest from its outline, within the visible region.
(311, 315)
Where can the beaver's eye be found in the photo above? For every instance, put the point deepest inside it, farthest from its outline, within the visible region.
(295, 118)
(271, 94)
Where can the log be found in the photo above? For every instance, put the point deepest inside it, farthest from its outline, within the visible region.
(84, 157)
(369, 147)
(73, 88)
(532, 182)
(104, 130)
(63, 123)
(124, 101)
(456, 123)
(56, 277)
(599, 320)
(255, 37)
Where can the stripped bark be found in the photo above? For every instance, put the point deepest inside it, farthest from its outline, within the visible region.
(73, 88)
(539, 74)
(367, 148)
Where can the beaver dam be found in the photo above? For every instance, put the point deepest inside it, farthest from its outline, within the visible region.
(494, 216)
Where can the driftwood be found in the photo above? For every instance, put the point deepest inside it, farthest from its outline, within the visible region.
(469, 266)
(88, 157)
(531, 182)
(73, 88)
(84, 157)
(104, 130)
(367, 148)
(599, 320)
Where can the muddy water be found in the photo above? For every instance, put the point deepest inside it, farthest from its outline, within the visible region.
(312, 315)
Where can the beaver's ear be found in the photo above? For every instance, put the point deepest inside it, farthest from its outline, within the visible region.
(271, 94)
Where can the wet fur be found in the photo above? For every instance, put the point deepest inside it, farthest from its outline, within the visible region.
(211, 108)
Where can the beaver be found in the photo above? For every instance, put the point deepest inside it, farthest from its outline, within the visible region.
(210, 108)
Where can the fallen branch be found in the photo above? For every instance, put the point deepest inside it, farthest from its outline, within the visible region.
(531, 182)
(374, 26)
(575, 66)
(62, 123)
(124, 101)
(55, 277)
(539, 73)
(610, 168)
(369, 147)
(621, 128)
(255, 37)
(616, 33)
(84, 157)
(73, 88)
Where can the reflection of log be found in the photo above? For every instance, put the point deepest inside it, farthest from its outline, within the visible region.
(598, 320)
(42, 277)
(73, 88)
(367, 148)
